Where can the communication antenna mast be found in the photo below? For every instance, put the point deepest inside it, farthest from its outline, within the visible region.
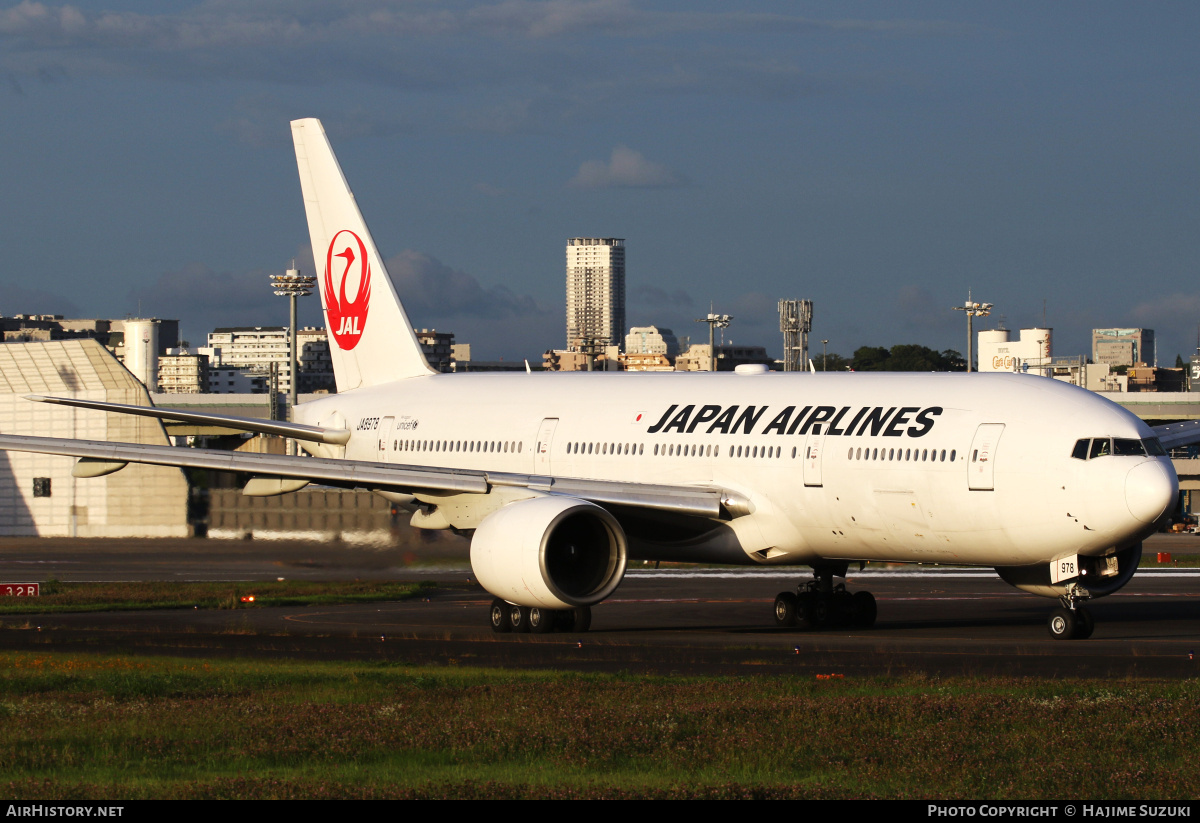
(795, 321)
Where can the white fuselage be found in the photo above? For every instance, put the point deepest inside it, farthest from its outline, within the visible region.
(941, 468)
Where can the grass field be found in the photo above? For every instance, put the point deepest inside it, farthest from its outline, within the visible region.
(82, 727)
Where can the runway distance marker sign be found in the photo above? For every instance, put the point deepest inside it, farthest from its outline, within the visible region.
(20, 589)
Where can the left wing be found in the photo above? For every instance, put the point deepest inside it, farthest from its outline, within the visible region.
(282, 473)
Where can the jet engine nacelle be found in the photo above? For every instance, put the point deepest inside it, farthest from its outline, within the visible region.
(549, 552)
(1095, 575)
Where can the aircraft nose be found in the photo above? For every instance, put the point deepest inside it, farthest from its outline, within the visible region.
(1150, 489)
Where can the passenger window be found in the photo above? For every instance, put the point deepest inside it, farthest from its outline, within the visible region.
(1101, 447)
(1081, 449)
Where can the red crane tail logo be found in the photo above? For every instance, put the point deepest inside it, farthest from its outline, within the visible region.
(347, 318)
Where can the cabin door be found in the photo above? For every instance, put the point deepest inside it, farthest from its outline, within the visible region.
(541, 451)
(981, 461)
(812, 459)
(384, 452)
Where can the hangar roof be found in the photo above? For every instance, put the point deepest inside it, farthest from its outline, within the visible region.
(61, 366)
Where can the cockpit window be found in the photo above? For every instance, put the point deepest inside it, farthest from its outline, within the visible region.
(1154, 447)
(1128, 448)
(1120, 446)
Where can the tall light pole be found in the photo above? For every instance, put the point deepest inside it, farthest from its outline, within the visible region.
(973, 310)
(824, 357)
(292, 284)
(714, 321)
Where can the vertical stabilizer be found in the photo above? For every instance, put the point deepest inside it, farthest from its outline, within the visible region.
(370, 338)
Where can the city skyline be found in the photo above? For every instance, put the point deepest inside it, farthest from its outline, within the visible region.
(879, 165)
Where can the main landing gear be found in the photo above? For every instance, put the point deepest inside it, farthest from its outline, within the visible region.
(507, 617)
(819, 604)
(1071, 621)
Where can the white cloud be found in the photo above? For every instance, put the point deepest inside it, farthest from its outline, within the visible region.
(626, 169)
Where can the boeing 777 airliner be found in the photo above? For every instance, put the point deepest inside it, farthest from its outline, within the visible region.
(561, 479)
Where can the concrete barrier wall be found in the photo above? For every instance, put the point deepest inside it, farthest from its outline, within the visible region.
(319, 514)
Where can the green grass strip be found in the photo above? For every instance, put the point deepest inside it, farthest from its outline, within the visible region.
(97, 727)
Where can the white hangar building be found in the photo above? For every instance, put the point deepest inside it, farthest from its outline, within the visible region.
(38, 494)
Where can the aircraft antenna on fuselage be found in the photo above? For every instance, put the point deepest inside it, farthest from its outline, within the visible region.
(370, 338)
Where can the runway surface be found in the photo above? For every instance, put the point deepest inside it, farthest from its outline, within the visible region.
(935, 621)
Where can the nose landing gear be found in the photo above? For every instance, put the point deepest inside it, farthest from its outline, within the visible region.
(1071, 621)
(819, 603)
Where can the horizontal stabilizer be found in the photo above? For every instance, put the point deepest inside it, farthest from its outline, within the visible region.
(296, 431)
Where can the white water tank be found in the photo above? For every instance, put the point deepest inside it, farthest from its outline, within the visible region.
(1040, 339)
(141, 351)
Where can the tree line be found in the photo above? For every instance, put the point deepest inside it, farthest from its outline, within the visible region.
(902, 357)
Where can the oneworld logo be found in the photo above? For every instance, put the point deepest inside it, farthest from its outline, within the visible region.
(347, 317)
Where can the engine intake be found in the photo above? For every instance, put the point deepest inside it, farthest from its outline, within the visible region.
(550, 552)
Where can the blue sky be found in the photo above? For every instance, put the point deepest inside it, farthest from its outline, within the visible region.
(877, 158)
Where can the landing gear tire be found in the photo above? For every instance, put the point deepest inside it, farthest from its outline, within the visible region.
(578, 619)
(820, 612)
(804, 610)
(1084, 624)
(864, 610)
(1062, 624)
(518, 616)
(498, 614)
(785, 610)
(541, 621)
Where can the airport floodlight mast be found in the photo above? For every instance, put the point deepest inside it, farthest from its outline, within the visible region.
(973, 310)
(795, 321)
(824, 355)
(714, 321)
(292, 284)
